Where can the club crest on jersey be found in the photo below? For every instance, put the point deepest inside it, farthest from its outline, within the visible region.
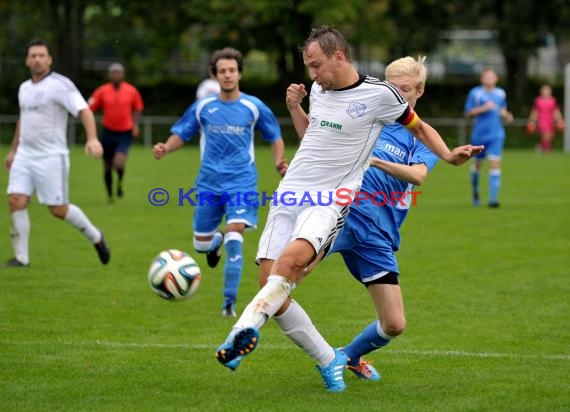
(356, 109)
(313, 121)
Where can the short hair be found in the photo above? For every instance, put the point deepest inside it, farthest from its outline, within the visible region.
(408, 66)
(330, 41)
(226, 53)
(37, 42)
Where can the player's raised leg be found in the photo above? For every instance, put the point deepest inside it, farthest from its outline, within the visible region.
(265, 303)
(76, 218)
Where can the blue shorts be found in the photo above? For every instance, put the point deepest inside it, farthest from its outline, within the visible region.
(368, 258)
(210, 209)
(115, 142)
(493, 147)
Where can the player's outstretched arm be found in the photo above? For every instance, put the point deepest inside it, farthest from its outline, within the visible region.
(92, 146)
(13, 147)
(295, 95)
(173, 143)
(431, 138)
(415, 174)
(278, 149)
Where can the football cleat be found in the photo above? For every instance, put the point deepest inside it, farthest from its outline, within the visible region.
(214, 256)
(494, 204)
(333, 374)
(239, 344)
(476, 201)
(103, 250)
(364, 370)
(14, 263)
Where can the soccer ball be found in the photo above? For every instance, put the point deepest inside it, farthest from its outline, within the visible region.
(174, 275)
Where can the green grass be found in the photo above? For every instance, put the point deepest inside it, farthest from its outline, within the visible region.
(486, 293)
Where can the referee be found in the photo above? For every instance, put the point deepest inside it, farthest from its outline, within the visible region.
(122, 106)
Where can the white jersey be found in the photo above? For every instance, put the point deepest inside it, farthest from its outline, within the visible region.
(44, 108)
(343, 127)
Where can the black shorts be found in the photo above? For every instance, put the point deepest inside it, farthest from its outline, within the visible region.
(115, 142)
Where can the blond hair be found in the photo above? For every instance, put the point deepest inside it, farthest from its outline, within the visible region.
(408, 66)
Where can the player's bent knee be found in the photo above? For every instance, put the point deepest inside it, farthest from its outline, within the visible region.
(203, 246)
(289, 266)
(59, 211)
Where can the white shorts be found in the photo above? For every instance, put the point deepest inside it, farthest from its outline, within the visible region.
(47, 176)
(317, 224)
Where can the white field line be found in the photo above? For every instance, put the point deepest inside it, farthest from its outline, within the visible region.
(436, 353)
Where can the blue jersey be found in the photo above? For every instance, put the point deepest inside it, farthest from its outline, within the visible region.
(488, 125)
(395, 144)
(226, 144)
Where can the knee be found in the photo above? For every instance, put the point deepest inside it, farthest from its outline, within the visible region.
(290, 266)
(58, 211)
(203, 244)
(395, 326)
(16, 202)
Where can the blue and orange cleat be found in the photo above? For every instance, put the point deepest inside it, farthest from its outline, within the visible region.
(364, 370)
(239, 344)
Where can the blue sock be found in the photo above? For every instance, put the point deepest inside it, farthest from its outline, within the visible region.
(494, 184)
(475, 183)
(371, 338)
(234, 264)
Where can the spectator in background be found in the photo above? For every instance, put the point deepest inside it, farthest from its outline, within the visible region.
(122, 106)
(545, 117)
(487, 105)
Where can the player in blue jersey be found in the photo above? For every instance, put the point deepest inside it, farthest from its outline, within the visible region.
(228, 121)
(487, 104)
(371, 234)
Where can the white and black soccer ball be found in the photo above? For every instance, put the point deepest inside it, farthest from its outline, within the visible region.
(174, 275)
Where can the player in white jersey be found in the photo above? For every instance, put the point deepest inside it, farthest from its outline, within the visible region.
(38, 160)
(347, 112)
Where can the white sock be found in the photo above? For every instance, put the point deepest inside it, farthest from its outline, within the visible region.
(297, 326)
(77, 218)
(20, 235)
(267, 301)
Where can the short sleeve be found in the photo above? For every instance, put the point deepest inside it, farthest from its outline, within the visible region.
(267, 123)
(421, 154)
(188, 125)
(69, 97)
(95, 101)
(138, 104)
(470, 101)
(392, 105)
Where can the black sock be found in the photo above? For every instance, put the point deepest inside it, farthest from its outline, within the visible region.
(109, 182)
(120, 173)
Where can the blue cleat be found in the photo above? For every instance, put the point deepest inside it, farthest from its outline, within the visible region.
(364, 370)
(239, 344)
(333, 374)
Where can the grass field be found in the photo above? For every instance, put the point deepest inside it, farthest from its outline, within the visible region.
(487, 294)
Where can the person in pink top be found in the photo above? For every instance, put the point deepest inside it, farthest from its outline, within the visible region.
(545, 117)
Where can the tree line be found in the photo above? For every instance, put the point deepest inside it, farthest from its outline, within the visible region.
(149, 35)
